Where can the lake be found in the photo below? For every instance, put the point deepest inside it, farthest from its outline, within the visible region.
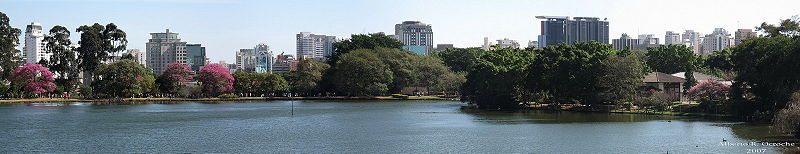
(352, 127)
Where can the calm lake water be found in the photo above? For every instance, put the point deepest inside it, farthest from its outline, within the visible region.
(351, 127)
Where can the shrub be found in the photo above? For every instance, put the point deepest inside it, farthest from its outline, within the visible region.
(227, 96)
(788, 120)
(401, 96)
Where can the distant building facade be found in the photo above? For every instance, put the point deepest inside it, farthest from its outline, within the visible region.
(505, 43)
(743, 34)
(264, 59)
(196, 56)
(561, 29)
(625, 42)
(533, 44)
(672, 38)
(246, 60)
(282, 63)
(444, 46)
(716, 41)
(164, 48)
(692, 40)
(138, 56)
(647, 41)
(415, 35)
(318, 47)
(33, 51)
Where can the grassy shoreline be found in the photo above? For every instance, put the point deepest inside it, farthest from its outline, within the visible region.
(44, 100)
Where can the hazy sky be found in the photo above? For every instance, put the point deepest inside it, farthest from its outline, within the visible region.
(224, 26)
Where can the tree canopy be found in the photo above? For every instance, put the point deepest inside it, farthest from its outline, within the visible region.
(123, 78)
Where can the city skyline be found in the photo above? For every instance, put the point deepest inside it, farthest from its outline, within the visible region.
(228, 28)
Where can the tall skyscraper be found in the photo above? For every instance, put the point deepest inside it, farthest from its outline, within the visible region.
(625, 42)
(318, 47)
(692, 40)
(164, 48)
(264, 59)
(33, 51)
(672, 38)
(196, 56)
(486, 44)
(505, 43)
(743, 34)
(560, 29)
(415, 35)
(246, 60)
(716, 41)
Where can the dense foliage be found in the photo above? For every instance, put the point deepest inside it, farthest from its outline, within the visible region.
(33, 78)
(172, 79)
(63, 61)
(124, 78)
(215, 79)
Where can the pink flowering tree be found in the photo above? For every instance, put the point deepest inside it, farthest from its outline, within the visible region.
(172, 78)
(215, 79)
(34, 78)
(709, 90)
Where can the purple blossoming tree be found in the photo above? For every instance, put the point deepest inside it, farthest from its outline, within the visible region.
(34, 78)
(215, 79)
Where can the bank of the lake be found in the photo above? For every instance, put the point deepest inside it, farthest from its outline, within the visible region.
(45, 100)
(353, 126)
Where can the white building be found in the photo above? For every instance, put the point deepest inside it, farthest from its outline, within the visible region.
(672, 38)
(505, 43)
(415, 35)
(692, 40)
(647, 40)
(164, 48)
(246, 60)
(34, 51)
(313, 46)
(716, 41)
(625, 42)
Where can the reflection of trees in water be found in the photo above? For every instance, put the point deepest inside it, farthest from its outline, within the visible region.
(760, 132)
(557, 117)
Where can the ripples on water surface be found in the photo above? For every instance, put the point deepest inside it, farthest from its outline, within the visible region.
(347, 127)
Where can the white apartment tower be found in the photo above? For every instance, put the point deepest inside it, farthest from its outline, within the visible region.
(672, 38)
(415, 35)
(716, 41)
(318, 47)
(692, 40)
(33, 51)
(164, 48)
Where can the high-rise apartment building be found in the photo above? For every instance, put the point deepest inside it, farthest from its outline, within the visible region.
(625, 42)
(264, 59)
(164, 48)
(692, 40)
(34, 51)
(561, 29)
(283, 63)
(415, 35)
(246, 60)
(716, 41)
(743, 34)
(318, 47)
(196, 56)
(672, 38)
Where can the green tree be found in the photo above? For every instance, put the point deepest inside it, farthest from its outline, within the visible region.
(497, 80)
(272, 84)
(621, 76)
(307, 79)
(429, 71)
(245, 83)
(459, 59)
(9, 60)
(123, 78)
(362, 73)
(787, 27)
(363, 41)
(569, 74)
(63, 61)
(671, 59)
(450, 82)
(402, 65)
(172, 80)
(97, 43)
